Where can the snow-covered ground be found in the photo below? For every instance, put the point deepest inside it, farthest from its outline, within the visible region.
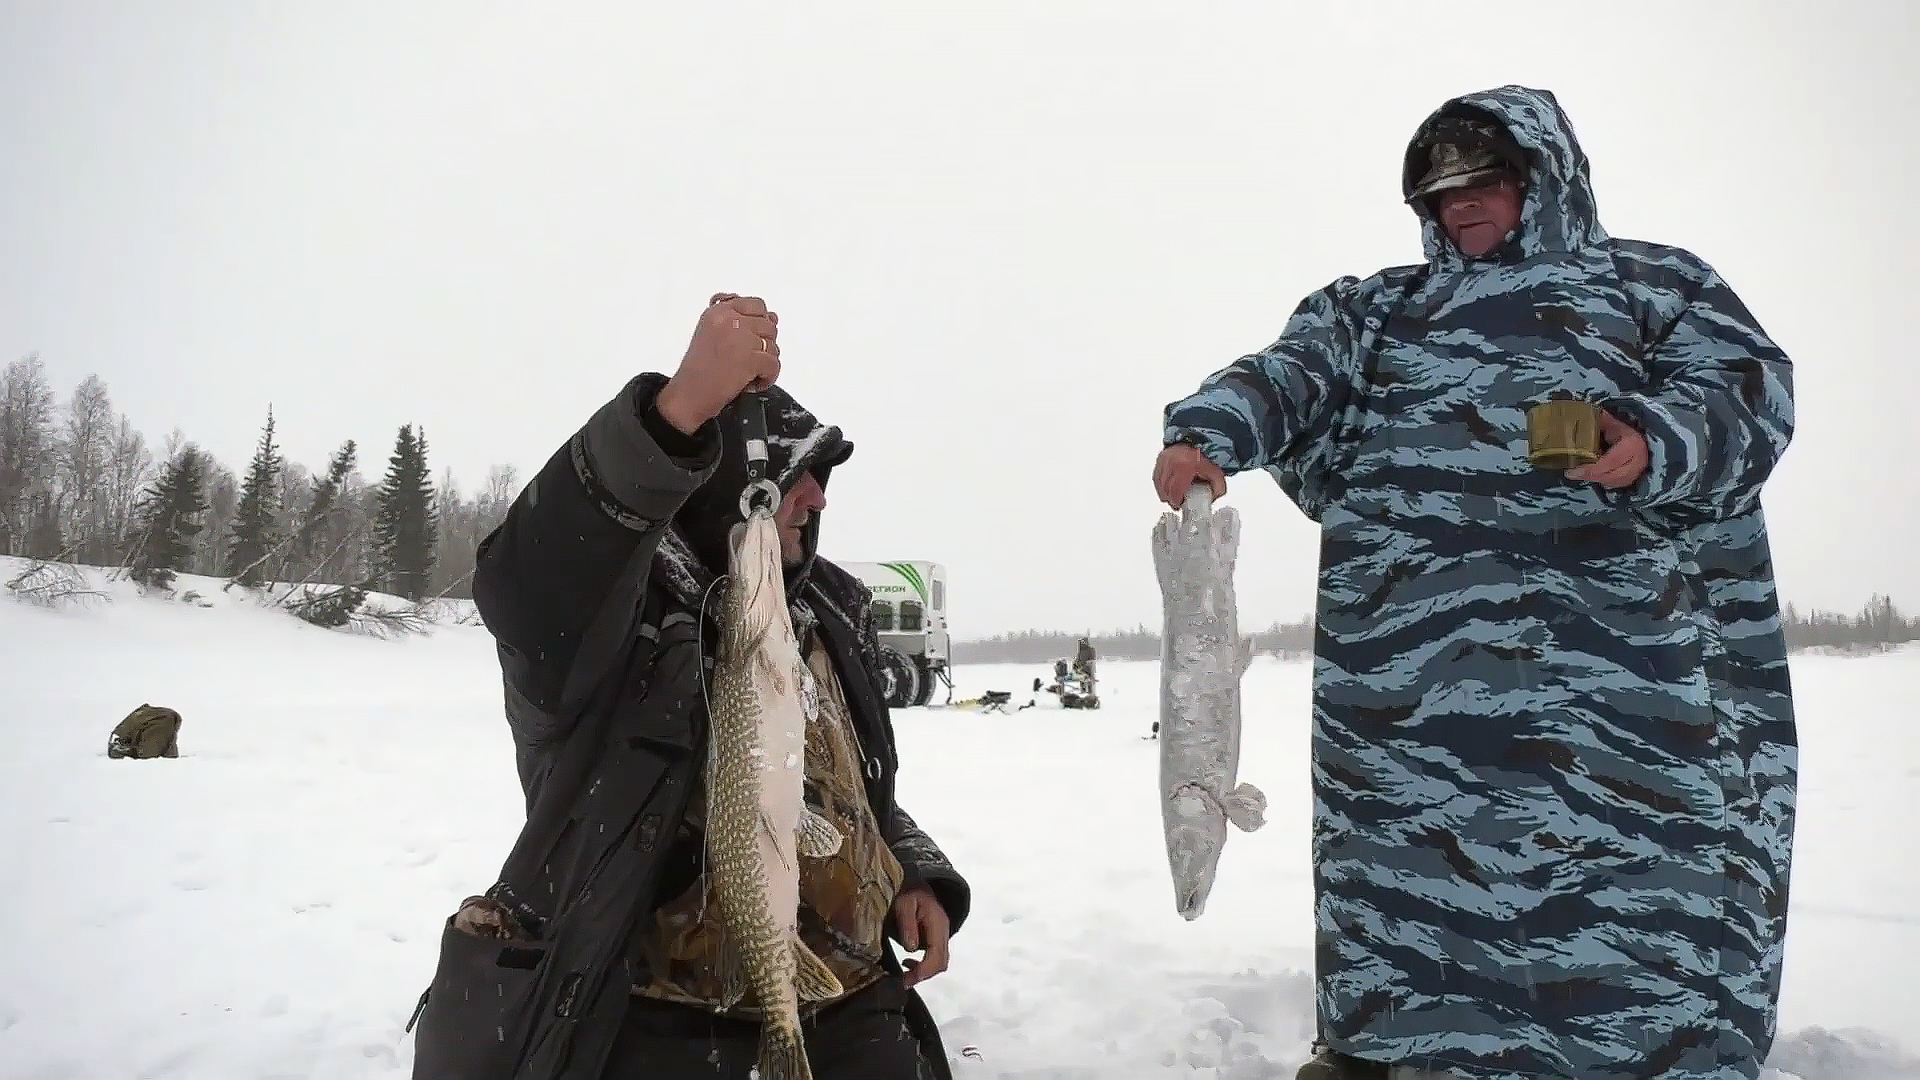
(267, 905)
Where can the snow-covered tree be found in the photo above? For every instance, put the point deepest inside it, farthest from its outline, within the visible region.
(405, 525)
(326, 525)
(27, 451)
(256, 517)
(85, 454)
(170, 519)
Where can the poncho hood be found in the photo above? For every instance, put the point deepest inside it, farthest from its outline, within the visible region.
(1558, 215)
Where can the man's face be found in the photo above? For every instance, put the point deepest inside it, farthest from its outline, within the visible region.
(1478, 218)
(803, 501)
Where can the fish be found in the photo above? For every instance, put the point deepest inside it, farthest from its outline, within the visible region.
(1202, 657)
(757, 821)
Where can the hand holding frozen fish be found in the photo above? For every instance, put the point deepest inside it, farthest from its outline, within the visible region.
(1202, 657)
(757, 821)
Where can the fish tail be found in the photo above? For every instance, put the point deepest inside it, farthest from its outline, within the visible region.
(783, 1054)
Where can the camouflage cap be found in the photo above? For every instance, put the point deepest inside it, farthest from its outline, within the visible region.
(1462, 152)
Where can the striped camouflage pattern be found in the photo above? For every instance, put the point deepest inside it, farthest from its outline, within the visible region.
(1553, 750)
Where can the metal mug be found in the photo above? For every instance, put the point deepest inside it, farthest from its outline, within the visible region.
(1563, 433)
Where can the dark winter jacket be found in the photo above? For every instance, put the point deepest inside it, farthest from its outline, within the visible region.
(597, 590)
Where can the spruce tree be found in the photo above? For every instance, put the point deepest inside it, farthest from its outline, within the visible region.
(256, 517)
(405, 529)
(328, 491)
(170, 519)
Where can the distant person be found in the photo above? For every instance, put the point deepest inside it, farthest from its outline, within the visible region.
(1083, 660)
(149, 731)
(1553, 753)
(595, 953)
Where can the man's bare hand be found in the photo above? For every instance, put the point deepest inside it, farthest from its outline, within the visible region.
(1178, 468)
(1625, 458)
(733, 350)
(923, 924)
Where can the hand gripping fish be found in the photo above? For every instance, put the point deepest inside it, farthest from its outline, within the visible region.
(1201, 660)
(757, 822)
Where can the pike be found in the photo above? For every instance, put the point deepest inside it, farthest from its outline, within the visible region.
(757, 822)
(1202, 657)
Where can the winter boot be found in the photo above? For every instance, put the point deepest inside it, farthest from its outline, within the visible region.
(1333, 1065)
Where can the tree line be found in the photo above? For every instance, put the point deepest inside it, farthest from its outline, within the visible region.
(1284, 639)
(1878, 626)
(79, 483)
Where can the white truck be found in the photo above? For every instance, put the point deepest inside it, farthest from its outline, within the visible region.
(909, 609)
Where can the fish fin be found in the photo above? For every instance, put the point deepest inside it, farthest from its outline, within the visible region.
(773, 836)
(818, 838)
(732, 972)
(776, 678)
(1163, 532)
(1246, 807)
(813, 980)
(1223, 526)
(783, 1055)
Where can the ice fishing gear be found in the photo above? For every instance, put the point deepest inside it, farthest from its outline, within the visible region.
(760, 492)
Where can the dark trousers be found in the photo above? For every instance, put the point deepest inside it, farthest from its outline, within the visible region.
(864, 1036)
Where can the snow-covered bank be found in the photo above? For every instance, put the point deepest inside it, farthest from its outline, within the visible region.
(267, 905)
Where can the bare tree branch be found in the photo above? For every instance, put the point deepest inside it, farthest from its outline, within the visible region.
(51, 584)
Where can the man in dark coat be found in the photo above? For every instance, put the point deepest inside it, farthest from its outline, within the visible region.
(593, 955)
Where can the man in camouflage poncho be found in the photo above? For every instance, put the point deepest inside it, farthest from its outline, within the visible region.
(1553, 751)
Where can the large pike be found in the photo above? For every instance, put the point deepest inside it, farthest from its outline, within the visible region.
(1202, 658)
(757, 822)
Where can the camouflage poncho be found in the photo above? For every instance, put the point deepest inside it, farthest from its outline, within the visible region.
(1553, 747)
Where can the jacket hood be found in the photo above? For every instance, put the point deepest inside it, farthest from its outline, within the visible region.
(797, 443)
(1558, 213)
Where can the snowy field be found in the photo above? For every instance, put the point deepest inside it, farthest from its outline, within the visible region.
(267, 906)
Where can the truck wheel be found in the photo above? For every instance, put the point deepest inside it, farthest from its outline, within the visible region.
(906, 678)
(924, 675)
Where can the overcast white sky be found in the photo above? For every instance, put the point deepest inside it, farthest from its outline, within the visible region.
(1001, 235)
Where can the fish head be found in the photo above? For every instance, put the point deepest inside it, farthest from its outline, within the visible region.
(753, 598)
(1196, 832)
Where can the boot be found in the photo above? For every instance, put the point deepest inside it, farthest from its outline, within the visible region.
(1333, 1065)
